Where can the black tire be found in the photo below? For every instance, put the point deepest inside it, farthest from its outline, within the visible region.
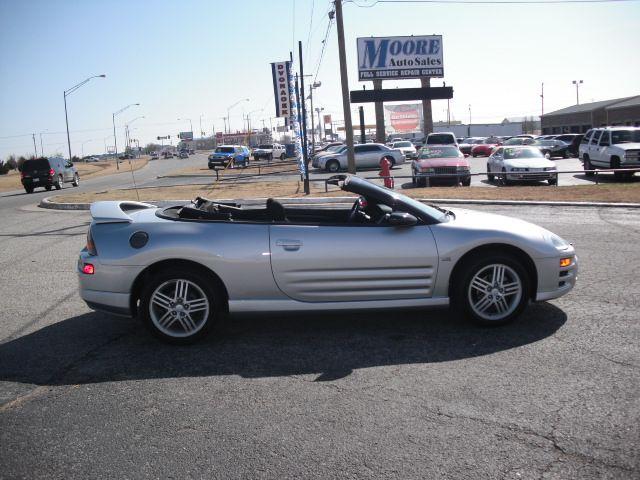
(490, 176)
(47, 188)
(553, 181)
(205, 324)
(333, 166)
(282, 157)
(28, 189)
(587, 166)
(392, 161)
(565, 154)
(76, 179)
(462, 293)
(474, 155)
(466, 182)
(615, 163)
(503, 178)
(59, 183)
(422, 181)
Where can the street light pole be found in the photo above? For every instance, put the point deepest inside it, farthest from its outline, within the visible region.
(229, 110)
(66, 93)
(577, 83)
(115, 137)
(313, 86)
(320, 128)
(469, 129)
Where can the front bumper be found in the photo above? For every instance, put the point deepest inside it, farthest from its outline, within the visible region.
(531, 176)
(555, 281)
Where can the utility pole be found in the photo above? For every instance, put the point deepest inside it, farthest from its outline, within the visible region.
(427, 115)
(469, 128)
(33, 135)
(542, 101)
(305, 152)
(381, 135)
(344, 80)
(363, 136)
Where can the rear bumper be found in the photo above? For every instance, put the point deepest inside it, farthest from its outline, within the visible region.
(110, 302)
(37, 182)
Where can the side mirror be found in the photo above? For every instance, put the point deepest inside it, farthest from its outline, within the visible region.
(401, 219)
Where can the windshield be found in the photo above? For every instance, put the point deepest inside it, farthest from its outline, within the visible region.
(625, 136)
(402, 144)
(439, 152)
(515, 153)
(266, 147)
(335, 148)
(440, 139)
(224, 150)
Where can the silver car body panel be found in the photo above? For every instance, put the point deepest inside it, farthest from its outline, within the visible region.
(280, 266)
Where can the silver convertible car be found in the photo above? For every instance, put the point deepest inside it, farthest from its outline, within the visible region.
(180, 269)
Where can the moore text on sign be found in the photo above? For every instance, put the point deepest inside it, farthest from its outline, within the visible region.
(395, 58)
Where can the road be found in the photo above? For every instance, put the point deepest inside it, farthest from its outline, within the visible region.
(144, 176)
(405, 394)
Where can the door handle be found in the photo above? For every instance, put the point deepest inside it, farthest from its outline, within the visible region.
(289, 245)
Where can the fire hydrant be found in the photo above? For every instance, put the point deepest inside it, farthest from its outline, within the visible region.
(385, 171)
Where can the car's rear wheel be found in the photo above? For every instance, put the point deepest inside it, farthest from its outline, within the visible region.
(76, 180)
(587, 166)
(59, 183)
(179, 306)
(333, 166)
(30, 189)
(494, 289)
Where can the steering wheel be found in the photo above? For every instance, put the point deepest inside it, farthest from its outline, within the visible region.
(354, 211)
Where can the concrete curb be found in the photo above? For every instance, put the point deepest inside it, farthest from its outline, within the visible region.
(48, 203)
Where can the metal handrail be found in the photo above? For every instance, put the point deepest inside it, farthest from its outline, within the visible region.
(428, 176)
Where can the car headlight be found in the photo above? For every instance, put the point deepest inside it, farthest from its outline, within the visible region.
(559, 242)
(549, 169)
(462, 168)
(518, 169)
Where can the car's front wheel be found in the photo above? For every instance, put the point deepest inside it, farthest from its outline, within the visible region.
(490, 176)
(333, 166)
(76, 180)
(494, 289)
(59, 183)
(179, 306)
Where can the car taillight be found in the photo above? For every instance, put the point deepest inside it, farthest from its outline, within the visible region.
(51, 172)
(91, 246)
(88, 269)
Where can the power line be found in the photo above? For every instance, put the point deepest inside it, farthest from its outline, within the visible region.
(487, 2)
(324, 46)
(313, 4)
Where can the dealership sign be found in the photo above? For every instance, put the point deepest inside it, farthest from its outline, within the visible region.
(281, 72)
(394, 58)
(403, 118)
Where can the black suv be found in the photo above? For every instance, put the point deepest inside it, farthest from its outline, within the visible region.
(47, 173)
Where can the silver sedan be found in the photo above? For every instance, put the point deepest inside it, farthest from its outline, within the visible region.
(368, 155)
(179, 269)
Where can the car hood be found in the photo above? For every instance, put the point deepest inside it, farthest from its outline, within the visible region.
(529, 163)
(489, 227)
(442, 162)
(627, 146)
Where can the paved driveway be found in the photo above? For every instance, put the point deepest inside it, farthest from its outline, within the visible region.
(405, 394)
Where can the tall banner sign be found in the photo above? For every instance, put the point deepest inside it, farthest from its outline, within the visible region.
(281, 72)
(396, 58)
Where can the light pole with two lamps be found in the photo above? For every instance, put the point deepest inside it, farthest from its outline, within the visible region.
(115, 138)
(577, 83)
(66, 94)
(229, 110)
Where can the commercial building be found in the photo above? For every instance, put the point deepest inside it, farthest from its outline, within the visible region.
(580, 118)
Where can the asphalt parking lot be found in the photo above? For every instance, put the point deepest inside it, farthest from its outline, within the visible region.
(405, 394)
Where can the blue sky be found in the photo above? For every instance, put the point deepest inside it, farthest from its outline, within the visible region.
(191, 58)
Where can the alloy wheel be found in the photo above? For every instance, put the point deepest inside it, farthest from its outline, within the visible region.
(179, 308)
(494, 292)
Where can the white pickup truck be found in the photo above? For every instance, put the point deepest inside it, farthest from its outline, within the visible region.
(269, 151)
(611, 147)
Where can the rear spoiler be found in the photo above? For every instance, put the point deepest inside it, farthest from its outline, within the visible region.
(115, 211)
